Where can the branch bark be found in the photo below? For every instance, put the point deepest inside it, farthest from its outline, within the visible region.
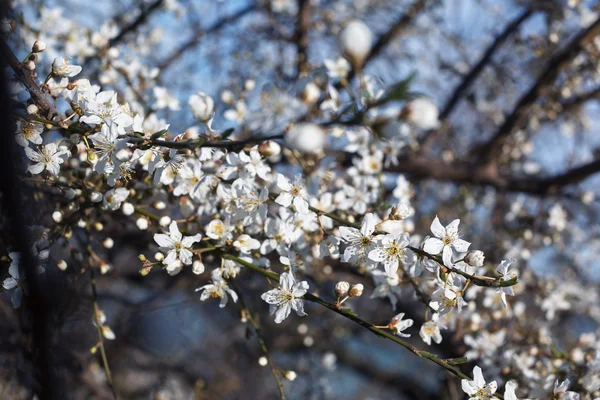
(425, 168)
(489, 151)
(197, 36)
(301, 37)
(483, 61)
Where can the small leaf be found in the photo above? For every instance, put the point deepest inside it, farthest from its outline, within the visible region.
(158, 134)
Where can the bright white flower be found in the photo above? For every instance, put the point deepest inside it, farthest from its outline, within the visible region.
(445, 240)
(431, 330)
(102, 107)
(246, 244)
(446, 298)
(561, 393)
(292, 192)
(29, 132)
(164, 99)
(391, 251)
(114, 197)
(217, 290)
(218, 230)
(329, 247)
(360, 242)
(286, 297)
(338, 68)
(477, 388)
(189, 179)
(202, 106)
(505, 275)
(397, 325)
(355, 41)
(422, 113)
(61, 67)
(176, 245)
(107, 144)
(306, 138)
(49, 158)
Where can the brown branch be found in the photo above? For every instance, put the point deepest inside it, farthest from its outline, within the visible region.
(577, 100)
(398, 27)
(301, 37)
(24, 75)
(487, 152)
(483, 61)
(131, 27)
(426, 168)
(198, 35)
(198, 143)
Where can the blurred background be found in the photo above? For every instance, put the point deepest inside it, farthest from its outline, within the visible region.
(477, 60)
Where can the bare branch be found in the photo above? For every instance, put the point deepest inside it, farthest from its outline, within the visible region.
(301, 37)
(197, 36)
(489, 150)
(483, 61)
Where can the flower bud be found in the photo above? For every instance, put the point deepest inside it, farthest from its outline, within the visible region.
(475, 258)
(32, 109)
(61, 264)
(202, 106)
(164, 221)
(128, 208)
(341, 289)
(311, 93)
(306, 138)
(355, 42)
(38, 46)
(30, 65)
(92, 157)
(422, 113)
(290, 375)
(142, 224)
(269, 148)
(356, 290)
(96, 197)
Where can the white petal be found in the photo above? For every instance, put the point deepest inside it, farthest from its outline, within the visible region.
(437, 229)
(174, 231)
(298, 306)
(188, 241)
(461, 245)
(478, 377)
(282, 312)
(452, 228)
(163, 240)
(433, 246)
(284, 199)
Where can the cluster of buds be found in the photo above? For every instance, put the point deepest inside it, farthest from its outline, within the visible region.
(343, 291)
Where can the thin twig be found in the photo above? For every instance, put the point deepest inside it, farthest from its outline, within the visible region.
(446, 364)
(263, 346)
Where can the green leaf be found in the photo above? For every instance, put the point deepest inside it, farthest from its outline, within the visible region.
(158, 134)
(398, 91)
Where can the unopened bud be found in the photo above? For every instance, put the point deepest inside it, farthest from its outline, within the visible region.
(290, 375)
(30, 65)
(269, 148)
(475, 258)
(356, 290)
(341, 289)
(142, 258)
(38, 46)
(96, 197)
(32, 109)
(61, 264)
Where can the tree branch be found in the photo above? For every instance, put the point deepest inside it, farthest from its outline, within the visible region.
(354, 318)
(133, 25)
(426, 168)
(301, 37)
(483, 61)
(487, 152)
(197, 36)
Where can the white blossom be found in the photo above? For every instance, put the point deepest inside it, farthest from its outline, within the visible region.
(48, 158)
(477, 388)
(177, 246)
(286, 297)
(445, 240)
